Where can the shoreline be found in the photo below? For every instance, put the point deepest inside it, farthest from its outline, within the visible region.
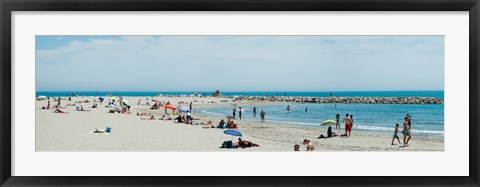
(130, 133)
(298, 124)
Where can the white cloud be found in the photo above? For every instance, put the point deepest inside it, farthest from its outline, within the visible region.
(243, 63)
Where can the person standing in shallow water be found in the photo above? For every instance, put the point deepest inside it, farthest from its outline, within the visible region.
(337, 125)
(406, 132)
(288, 108)
(240, 113)
(306, 109)
(348, 125)
(254, 112)
(191, 106)
(262, 116)
(234, 111)
(409, 121)
(351, 119)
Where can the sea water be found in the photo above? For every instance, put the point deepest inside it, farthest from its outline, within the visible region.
(427, 119)
(437, 94)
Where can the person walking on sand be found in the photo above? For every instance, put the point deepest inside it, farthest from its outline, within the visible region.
(409, 122)
(262, 116)
(240, 113)
(406, 133)
(234, 111)
(254, 112)
(337, 125)
(348, 125)
(147, 102)
(395, 134)
(191, 105)
(288, 108)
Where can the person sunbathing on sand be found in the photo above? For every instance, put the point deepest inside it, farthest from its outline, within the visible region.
(221, 124)
(231, 125)
(151, 118)
(71, 104)
(244, 144)
(83, 109)
(155, 106)
(95, 105)
(309, 145)
(329, 133)
(114, 110)
(143, 114)
(59, 111)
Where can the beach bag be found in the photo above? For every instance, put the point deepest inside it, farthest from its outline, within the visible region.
(229, 144)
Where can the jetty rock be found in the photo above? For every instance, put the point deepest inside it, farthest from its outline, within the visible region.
(360, 100)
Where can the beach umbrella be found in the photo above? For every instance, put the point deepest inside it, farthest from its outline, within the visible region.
(232, 132)
(328, 122)
(125, 102)
(101, 98)
(170, 107)
(182, 108)
(154, 100)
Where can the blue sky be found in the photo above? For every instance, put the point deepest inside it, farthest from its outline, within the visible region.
(239, 63)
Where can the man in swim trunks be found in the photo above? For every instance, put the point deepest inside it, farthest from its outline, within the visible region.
(348, 125)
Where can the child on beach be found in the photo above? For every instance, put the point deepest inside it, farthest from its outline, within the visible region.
(296, 147)
(395, 134)
(309, 145)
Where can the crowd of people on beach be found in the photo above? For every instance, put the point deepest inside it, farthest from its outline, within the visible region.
(122, 106)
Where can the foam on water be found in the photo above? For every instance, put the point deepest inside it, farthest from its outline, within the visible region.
(427, 120)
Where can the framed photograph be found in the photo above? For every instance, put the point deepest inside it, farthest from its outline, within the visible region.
(241, 93)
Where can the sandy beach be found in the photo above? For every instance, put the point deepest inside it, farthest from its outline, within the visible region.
(72, 131)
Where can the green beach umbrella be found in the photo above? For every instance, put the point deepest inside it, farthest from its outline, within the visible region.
(328, 122)
(125, 102)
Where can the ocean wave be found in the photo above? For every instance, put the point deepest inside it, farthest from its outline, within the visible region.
(377, 128)
(294, 122)
(212, 113)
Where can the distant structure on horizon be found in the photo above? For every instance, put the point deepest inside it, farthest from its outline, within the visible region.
(217, 94)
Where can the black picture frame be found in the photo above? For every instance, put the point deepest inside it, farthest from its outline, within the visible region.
(7, 6)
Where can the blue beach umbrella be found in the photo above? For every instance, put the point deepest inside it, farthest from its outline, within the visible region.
(182, 108)
(232, 132)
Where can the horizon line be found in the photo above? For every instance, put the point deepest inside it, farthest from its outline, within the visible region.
(233, 91)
